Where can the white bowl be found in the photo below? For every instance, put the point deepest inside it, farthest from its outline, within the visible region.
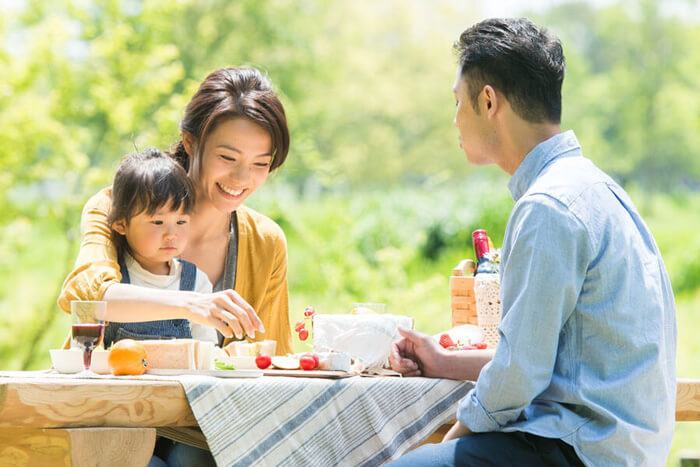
(67, 360)
(100, 362)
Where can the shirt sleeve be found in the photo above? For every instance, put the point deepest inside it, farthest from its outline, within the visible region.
(545, 257)
(96, 267)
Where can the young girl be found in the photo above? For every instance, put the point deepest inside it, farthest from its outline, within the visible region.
(152, 199)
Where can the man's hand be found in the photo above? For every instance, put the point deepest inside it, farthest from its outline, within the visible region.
(418, 354)
(457, 431)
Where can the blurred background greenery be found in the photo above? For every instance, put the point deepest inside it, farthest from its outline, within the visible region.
(376, 199)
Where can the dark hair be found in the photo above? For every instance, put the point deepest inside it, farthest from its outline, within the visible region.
(526, 63)
(230, 93)
(146, 181)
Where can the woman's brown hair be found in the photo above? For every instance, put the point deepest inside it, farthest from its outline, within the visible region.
(230, 93)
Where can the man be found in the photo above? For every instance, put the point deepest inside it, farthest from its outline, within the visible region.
(585, 368)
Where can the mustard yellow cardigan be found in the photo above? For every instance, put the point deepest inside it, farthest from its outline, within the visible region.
(261, 274)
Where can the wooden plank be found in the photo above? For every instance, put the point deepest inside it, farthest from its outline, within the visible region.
(688, 400)
(460, 311)
(77, 446)
(467, 301)
(437, 436)
(111, 447)
(461, 283)
(687, 407)
(28, 446)
(54, 402)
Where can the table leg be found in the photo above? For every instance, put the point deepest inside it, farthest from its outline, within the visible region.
(76, 446)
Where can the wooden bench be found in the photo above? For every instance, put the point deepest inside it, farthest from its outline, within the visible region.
(687, 407)
(77, 446)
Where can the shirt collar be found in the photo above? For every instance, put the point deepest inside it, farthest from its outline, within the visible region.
(134, 265)
(538, 158)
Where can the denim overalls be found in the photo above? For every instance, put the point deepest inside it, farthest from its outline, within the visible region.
(161, 329)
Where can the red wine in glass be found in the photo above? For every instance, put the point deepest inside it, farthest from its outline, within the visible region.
(88, 336)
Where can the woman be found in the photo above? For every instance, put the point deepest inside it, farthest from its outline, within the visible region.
(234, 133)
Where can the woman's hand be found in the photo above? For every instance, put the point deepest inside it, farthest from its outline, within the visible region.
(418, 354)
(226, 311)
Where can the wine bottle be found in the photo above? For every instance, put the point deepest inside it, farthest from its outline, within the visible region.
(481, 246)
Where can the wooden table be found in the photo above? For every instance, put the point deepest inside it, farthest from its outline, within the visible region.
(45, 420)
(42, 419)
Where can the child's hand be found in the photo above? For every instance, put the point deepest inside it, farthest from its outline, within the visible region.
(226, 311)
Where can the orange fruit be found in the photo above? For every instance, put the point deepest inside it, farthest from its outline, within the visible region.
(127, 357)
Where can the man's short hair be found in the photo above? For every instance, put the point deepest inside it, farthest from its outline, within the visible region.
(523, 61)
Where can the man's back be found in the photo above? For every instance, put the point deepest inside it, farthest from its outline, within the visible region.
(612, 388)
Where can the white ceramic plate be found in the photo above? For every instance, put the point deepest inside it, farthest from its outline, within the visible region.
(216, 373)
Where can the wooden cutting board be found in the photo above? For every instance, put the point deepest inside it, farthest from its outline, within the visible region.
(329, 374)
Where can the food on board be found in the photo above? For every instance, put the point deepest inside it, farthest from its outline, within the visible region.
(307, 362)
(334, 361)
(171, 354)
(251, 349)
(223, 365)
(99, 362)
(127, 357)
(285, 362)
(446, 341)
(367, 338)
(263, 361)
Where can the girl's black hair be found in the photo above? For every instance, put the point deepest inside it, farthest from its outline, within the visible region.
(146, 181)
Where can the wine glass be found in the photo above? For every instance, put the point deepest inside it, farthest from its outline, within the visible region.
(88, 330)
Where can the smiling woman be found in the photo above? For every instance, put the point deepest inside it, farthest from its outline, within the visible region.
(234, 133)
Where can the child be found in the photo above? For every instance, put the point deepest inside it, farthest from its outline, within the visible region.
(152, 198)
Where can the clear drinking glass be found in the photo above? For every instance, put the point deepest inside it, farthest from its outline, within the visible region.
(88, 326)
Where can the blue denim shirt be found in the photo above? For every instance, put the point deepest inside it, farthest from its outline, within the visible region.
(588, 329)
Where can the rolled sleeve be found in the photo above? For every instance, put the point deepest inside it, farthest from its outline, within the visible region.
(545, 256)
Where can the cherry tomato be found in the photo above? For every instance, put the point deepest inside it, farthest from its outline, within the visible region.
(303, 335)
(307, 362)
(263, 361)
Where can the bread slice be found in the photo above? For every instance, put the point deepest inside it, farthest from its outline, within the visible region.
(171, 354)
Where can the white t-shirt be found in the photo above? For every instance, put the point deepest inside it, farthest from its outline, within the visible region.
(139, 276)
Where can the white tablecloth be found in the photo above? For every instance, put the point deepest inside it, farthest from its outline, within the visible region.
(308, 421)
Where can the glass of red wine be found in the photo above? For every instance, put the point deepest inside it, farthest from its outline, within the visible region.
(88, 318)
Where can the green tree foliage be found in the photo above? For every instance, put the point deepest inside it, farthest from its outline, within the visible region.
(632, 91)
(366, 86)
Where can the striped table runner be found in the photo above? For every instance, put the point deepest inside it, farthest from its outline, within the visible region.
(311, 421)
